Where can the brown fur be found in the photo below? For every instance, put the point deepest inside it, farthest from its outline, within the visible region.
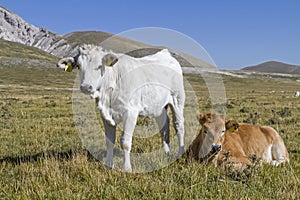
(241, 142)
(211, 123)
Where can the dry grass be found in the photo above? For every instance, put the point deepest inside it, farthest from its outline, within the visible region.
(42, 156)
(17, 50)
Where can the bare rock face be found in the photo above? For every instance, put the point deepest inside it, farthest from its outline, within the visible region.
(14, 28)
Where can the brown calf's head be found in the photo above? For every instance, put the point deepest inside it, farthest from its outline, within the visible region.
(213, 129)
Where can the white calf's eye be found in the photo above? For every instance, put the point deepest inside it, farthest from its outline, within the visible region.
(98, 68)
(205, 132)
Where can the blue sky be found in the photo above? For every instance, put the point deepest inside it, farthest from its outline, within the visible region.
(236, 33)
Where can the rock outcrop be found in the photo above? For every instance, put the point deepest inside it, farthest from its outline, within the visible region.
(14, 28)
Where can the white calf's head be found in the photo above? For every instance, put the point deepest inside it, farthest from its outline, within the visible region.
(91, 62)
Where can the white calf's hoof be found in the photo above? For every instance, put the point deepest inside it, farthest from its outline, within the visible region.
(127, 169)
(109, 165)
(112, 122)
(166, 148)
(180, 152)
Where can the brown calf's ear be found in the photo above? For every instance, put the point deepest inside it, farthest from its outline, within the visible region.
(231, 125)
(201, 118)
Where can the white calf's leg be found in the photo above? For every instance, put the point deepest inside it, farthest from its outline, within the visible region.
(163, 122)
(178, 122)
(130, 119)
(110, 133)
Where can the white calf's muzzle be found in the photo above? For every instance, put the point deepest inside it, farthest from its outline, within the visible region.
(86, 88)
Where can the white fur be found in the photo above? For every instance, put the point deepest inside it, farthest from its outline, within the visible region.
(132, 87)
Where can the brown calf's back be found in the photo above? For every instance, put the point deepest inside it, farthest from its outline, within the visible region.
(249, 140)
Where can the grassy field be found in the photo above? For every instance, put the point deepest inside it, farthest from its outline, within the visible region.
(42, 156)
(17, 50)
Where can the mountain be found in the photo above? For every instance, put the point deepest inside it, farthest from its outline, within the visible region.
(15, 29)
(275, 67)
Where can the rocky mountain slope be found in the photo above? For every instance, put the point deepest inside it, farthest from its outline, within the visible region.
(14, 28)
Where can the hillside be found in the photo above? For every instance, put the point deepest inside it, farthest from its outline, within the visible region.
(275, 67)
(17, 50)
(14, 28)
(20, 55)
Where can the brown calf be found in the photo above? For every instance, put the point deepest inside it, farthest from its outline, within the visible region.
(235, 143)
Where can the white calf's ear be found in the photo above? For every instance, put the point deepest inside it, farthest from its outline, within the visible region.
(108, 60)
(66, 63)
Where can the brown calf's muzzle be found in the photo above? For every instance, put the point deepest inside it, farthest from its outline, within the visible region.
(216, 148)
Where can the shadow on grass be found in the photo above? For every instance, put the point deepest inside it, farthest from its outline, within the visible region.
(58, 155)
